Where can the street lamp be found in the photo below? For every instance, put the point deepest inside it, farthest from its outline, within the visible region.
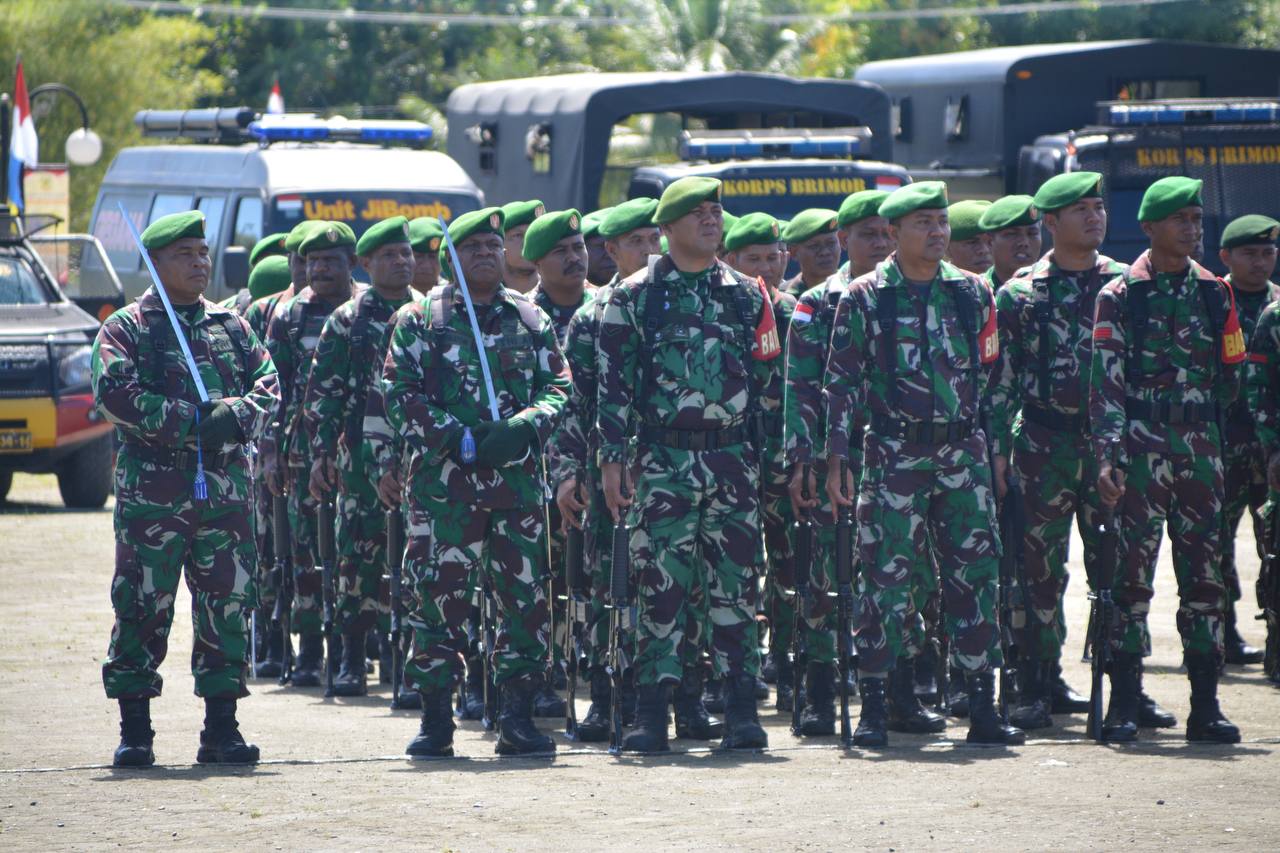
(84, 147)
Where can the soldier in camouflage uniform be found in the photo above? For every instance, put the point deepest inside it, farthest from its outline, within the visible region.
(329, 252)
(270, 246)
(425, 235)
(1166, 353)
(520, 274)
(687, 348)
(912, 346)
(170, 442)
(630, 237)
(482, 517)
(969, 248)
(812, 239)
(333, 413)
(1040, 419)
(1013, 226)
(1248, 250)
(601, 266)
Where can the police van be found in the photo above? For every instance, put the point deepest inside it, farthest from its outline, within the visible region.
(254, 175)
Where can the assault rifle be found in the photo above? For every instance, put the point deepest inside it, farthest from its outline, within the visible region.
(844, 605)
(803, 532)
(1101, 615)
(619, 602)
(283, 570)
(575, 596)
(325, 522)
(395, 567)
(1268, 591)
(1012, 530)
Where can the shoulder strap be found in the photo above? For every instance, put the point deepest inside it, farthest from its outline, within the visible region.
(967, 298)
(1215, 304)
(887, 320)
(151, 349)
(240, 340)
(653, 320)
(359, 368)
(1043, 306)
(746, 337)
(1137, 314)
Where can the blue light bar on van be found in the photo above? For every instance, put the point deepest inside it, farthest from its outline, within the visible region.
(309, 128)
(774, 142)
(1193, 112)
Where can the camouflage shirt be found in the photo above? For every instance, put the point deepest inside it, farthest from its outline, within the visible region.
(560, 315)
(1067, 303)
(784, 304)
(703, 365)
(571, 454)
(262, 310)
(1242, 437)
(434, 388)
(1183, 361)
(939, 371)
(808, 345)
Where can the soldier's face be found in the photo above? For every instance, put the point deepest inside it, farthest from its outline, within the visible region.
(184, 268)
(481, 257)
(973, 255)
(630, 252)
(426, 270)
(1082, 225)
(698, 232)
(390, 266)
(819, 256)
(867, 242)
(922, 235)
(566, 264)
(762, 260)
(298, 270)
(1015, 247)
(1179, 234)
(513, 241)
(1250, 266)
(600, 264)
(329, 271)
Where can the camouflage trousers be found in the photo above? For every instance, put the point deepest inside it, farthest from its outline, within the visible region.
(696, 550)
(452, 550)
(308, 587)
(1057, 487)
(1245, 491)
(160, 532)
(363, 596)
(1184, 492)
(904, 516)
(266, 551)
(779, 575)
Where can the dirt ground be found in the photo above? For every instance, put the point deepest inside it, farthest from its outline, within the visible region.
(335, 778)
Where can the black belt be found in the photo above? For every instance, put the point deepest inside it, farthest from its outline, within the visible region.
(184, 460)
(1170, 413)
(1055, 420)
(922, 432)
(695, 439)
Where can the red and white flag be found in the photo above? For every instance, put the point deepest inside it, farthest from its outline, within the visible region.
(275, 101)
(24, 146)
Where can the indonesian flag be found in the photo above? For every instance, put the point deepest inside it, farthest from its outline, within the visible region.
(275, 101)
(768, 346)
(24, 147)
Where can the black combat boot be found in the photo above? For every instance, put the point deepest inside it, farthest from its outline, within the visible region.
(770, 664)
(631, 698)
(435, 735)
(742, 728)
(517, 735)
(271, 664)
(926, 674)
(547, 702)
(307, 669)
(385, 658)
(958, 693)
(471, 699)
(713, 695)
(136, 736)
(1035, 705)
(1065, 700)
(785, 684)
(594, 727)
(985, 725)
(906, 714)
(1121, 723)
(1206, 722)
(351, 679)
(818, 718)
(872, 731)
(650, 733)
(1236, 650)
(221, 742)
(692, 720)
(1150, 714)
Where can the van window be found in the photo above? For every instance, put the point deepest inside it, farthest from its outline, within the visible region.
(18, 286)
(166, 203)
(110, 229)
(212, 207)
(248, 227)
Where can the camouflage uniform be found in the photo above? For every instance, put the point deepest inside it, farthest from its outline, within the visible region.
(346, 364)
(918, 364)
(1161, 399)
(465, 520)
(1040, 404)
(696, 545)
(141, 385)
(776, 510)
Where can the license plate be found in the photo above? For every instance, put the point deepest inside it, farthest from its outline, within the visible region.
(14, 441)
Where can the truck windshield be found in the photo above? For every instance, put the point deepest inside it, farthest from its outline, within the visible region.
(18, 285)
(362, 208)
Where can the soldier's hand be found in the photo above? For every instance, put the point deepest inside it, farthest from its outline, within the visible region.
(572, 502)
(841, 495)
(803, 488)
(389, 489)
(318, 483)
(1000, 474)
(615, 498)
(218, 425)
(1273, 472)
(1110, 484)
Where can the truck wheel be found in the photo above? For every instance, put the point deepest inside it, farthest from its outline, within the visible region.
(84, 480)
(6, 481)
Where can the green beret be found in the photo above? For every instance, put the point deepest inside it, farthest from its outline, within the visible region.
(592, 221)
(1254, 229)
(682, 196)
(1068, 188)
(627, 217)
(488, 220)
(964, 217)
(1167, 196)
(175, 226)
(922, 195)
(392, 230)
(752, 229)
(327, 235)
(299, 233)
(519, 213)
(859, 206)
(269, 276)
(1011, 211)
(549, 229)
(425, 234)
(272, 244)
(810, 223)
(729, 221)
